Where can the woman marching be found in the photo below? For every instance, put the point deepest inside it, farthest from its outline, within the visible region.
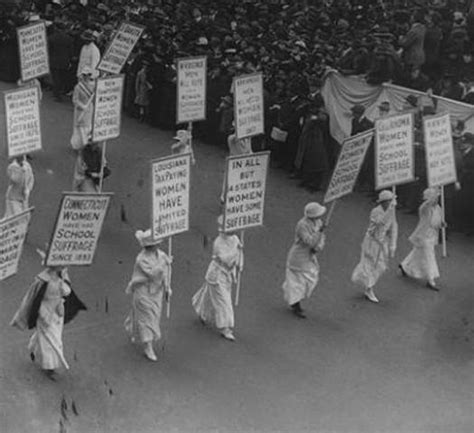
(213, 301)
(48, 304)
(150, 279)
(302, 267)
(379, 243)
(421, 262)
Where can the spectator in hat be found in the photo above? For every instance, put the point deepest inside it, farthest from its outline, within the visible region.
(142, 91)
(412, 43)
(60, 46)
(89, 56)
(149, 283)
(302, 267)
(380, 243)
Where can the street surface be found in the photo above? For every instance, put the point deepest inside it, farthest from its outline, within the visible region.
(405, 365)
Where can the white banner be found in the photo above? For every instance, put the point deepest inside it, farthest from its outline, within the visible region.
(107, 108)
(170, 195)
(33, 50)
(120, 47)
(191, 89)
(348, 166)
(77, 230)
(441, 165)
(248, 105)
(23, 121)
(394, 151)
(13, 232)
(246, 179)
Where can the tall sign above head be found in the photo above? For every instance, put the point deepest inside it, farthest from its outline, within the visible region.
(120, 48)
(348, 166)
(191, 89)
(107, 108)
(22, 121)
(33, 50)
(440, 163)
(246, 179)
(170, 189)
(394, 150)
(248, 105)
(77, 230)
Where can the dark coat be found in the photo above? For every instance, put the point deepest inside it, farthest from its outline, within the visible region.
(61, 49)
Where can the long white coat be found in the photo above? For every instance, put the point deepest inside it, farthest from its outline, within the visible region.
(20, 184)
(421, 262)
(149, 280)
(380, 240)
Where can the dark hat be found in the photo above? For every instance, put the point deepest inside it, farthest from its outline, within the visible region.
(88, 35)
(358, 109)
(412, 100)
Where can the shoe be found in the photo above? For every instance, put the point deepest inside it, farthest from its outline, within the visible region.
(370, 295)
(404, 274)
(32, 356)
(150, 354)
(432, 287)
(50, 375)
(203, 322)
(227, 334)
(299, 313)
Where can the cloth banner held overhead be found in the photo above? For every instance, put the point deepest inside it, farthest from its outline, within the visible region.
(77, 229)
(341, 93)
(23, 121)
(246, 178)
(170, 195)
(441, 166)
(120, 47)
(13, 232)
(348, 166)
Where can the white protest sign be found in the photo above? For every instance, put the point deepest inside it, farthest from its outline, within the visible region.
(107, 108)
(13, 232)
(170, 195)
(394, 151)
(248, 105)
(441, 166)
(191, 89)
(77, 230)
(348, 165)
(246, 179)
(120, 47)
(33, 50)
(23, 121)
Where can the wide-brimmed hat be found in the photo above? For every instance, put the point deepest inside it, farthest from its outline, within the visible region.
(430, 194)
(145, 238)
(181, 135)
(88, 35)
(385, 195)
(314, 210)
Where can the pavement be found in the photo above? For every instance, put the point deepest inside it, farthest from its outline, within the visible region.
(404, 365)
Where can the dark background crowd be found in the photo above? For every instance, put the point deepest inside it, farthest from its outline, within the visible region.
(420, 44)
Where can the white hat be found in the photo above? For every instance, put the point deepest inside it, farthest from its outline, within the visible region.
(181, 135)
(430, 194)
(314, 210)
(385, 195)
(145, 238)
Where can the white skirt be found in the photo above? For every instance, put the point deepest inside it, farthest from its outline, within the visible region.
(299, 285)
(421, 263)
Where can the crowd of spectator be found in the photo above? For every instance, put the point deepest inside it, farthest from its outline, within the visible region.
(420, 44)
